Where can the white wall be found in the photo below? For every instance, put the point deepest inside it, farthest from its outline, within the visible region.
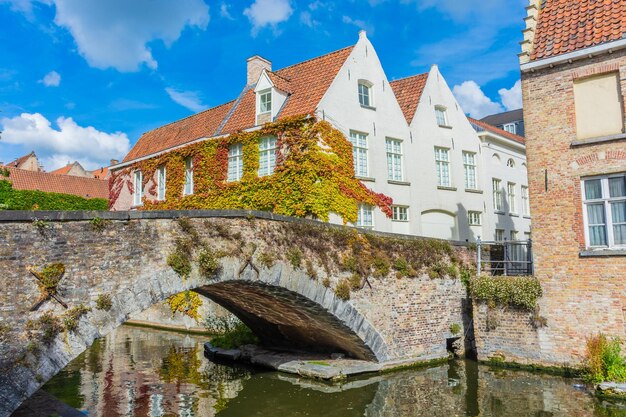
(506, 220)
(340, 106)
(461, 136)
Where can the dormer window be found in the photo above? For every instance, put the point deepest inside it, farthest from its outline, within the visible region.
(365, 93)
(442, 116)
(265, 101)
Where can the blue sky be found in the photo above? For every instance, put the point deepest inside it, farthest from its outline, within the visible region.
(83, 79)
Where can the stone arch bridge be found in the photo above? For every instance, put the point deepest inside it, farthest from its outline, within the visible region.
(279, 275)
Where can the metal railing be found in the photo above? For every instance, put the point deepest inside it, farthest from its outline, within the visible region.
(508, 258)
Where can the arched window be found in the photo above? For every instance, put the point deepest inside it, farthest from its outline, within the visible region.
(510, 163)
(495, 158)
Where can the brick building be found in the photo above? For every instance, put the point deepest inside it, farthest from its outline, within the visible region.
(573, 65)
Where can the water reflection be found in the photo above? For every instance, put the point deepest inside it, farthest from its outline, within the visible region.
(142, 372)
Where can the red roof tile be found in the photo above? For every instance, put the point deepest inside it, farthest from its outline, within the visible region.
(279, 82)
(305, 82)
(63, 170)
(19, 161)
(203, 124)
(101, 173)
(498, 131)
(53, 183)
(569, 25)
(408, 92)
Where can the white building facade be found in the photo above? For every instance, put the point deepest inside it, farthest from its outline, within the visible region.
(411, 141)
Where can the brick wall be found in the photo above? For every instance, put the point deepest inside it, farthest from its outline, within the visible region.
(582, 295)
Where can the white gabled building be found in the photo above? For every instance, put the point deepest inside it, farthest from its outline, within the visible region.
(412, 141)
(505, 184)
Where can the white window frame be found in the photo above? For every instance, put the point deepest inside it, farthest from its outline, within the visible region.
(474, 218)
(268, 101)
(400, 213)
(235, 162)
(441, 115)
(365, 218)
(606, 200)
(469, 170)
(360, 153)
(188, 186)
(267, 156)
(510, 163)
(525, 201)
(364, 90)
(137, 188)
(393, 148)
(499, 235)
(513, 235)
(511, 197)
(161, 182)
(442, 166)
(496, 186)
(510, 127)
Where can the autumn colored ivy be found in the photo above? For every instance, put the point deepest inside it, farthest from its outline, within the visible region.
(314, 174)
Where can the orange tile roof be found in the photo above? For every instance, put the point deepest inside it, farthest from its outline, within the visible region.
(63, 170)
(54, 183)
(19, 161)
(486, 126)
(101, 173)
(408, 92)
(305, 82)
(569, 25)
(279, 82)
(203, 124)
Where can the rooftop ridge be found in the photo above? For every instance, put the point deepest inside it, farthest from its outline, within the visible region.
(232, 109)
(410, 76)
(187, 117)
(314, 58)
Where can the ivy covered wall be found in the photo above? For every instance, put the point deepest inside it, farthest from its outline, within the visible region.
(314, 175)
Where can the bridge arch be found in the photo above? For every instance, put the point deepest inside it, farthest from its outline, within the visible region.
(401, 315)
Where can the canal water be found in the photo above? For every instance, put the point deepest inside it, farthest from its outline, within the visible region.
(143, 372)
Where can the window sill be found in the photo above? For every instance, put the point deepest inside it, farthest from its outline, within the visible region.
(499, 212)
(599, 139)
(399, 221)
(513, 214)
(526, 216)
(445, 126)
(369, 179)
(593, 253)
(363, 106)
(471, 190)
(443, 187)
(394, 182)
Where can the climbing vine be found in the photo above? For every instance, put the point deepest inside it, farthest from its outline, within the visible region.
(314, 174)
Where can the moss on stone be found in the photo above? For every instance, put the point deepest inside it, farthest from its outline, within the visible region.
(104, 302)
(342, 290)
(71, 318)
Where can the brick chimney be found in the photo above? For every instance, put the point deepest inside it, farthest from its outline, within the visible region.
(256, 65)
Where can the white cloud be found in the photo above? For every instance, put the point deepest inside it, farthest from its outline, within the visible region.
(187, 99)
(115, 33)
(306, 19)
(68, 142)
(473, 101)
(51, 79)
(359, 23)
(263, 13)
(225, 11)
(512, 98)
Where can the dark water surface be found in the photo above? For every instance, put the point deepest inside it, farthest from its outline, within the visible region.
(143, 372)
